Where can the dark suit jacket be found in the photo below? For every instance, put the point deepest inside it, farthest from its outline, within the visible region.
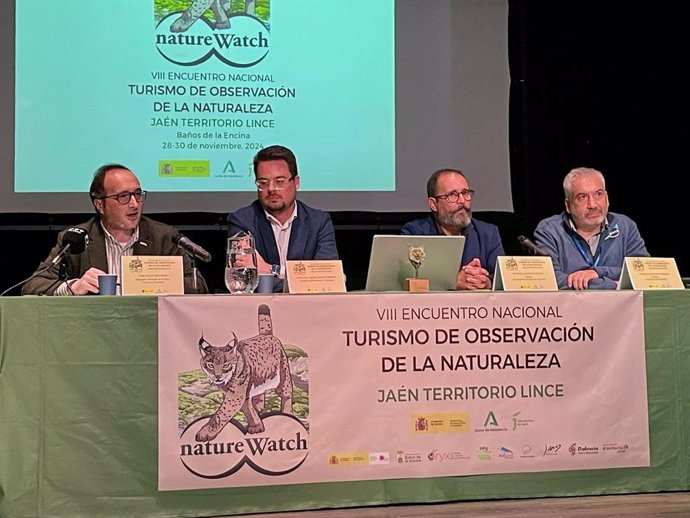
(154, 239)
(312, 235)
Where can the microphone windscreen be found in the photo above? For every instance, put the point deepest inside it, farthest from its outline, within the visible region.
(76, 238)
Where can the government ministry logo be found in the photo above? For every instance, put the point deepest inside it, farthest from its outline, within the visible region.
(190, 32)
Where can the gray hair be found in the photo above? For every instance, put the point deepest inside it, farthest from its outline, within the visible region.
(576, 173)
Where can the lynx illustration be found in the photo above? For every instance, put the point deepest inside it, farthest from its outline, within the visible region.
(220, 10)
(244, 371)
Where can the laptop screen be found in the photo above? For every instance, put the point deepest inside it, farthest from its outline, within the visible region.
(389, 263)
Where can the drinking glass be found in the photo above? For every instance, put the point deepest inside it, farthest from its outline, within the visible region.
(241, 274)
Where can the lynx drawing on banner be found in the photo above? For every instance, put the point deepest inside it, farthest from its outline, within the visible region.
(257, 388)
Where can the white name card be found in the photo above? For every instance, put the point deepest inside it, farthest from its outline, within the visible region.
(524, 273)
(315, 277)
(152, 275)
(650, 273)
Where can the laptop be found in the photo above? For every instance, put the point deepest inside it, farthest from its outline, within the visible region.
(389, 265)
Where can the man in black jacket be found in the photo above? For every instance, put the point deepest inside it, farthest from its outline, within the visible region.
(117, 230)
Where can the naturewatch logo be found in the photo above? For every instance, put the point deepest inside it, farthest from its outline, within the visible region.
(203, 29)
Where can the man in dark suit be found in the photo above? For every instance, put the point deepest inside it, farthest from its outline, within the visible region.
(450, 202)
(283, 228)
(117, 230)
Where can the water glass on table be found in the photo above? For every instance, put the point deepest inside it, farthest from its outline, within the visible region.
(241, 273)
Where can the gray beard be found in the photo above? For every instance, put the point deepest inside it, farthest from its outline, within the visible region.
(457, 220)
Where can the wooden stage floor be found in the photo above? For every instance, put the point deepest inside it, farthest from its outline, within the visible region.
(611, 506)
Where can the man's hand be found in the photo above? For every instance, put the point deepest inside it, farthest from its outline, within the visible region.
(245, 261)
(262, 266)
(87, 283)
(580, 280)
(473, 277)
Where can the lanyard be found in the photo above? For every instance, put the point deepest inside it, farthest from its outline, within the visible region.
(587, 254)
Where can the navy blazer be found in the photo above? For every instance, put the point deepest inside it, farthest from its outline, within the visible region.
(312, 235)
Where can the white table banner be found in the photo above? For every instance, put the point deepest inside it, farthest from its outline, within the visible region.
(288, 389)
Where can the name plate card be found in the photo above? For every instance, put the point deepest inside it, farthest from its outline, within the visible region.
(315, 277)
(524, 273)
(650, 273)
(152, 275)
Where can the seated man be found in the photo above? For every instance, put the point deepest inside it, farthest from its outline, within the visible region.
(117, 230)
(586, 242)
(450, 201)
(283, 228)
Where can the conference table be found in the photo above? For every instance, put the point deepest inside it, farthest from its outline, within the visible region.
(79, 422)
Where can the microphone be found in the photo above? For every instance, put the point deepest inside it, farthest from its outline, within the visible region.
(74, 241)
(191, 248)
(528, 246)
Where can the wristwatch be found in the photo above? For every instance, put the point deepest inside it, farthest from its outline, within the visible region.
(275, 270)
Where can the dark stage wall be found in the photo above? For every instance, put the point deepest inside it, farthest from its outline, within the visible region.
(601, 84)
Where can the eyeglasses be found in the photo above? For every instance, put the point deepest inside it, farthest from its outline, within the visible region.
(124, 197)
(278, 183)
(454, 196)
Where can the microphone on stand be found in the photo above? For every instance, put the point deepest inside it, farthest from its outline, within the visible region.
(191, 248)
(528, 246)
(74, 241)
(194, 250)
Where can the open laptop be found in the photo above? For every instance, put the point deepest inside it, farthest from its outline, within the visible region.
(389, 265)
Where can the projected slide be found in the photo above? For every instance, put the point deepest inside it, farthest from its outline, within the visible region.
(186, 91)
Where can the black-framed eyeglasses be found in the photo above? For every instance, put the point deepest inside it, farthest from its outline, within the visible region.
(124, 197)
(278, 183)
(454, 196)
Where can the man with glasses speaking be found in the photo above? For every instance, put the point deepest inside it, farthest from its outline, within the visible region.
(450, 201)
(117, 230)
(283, 228)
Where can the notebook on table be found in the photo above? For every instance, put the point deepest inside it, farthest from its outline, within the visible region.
(389, 264)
